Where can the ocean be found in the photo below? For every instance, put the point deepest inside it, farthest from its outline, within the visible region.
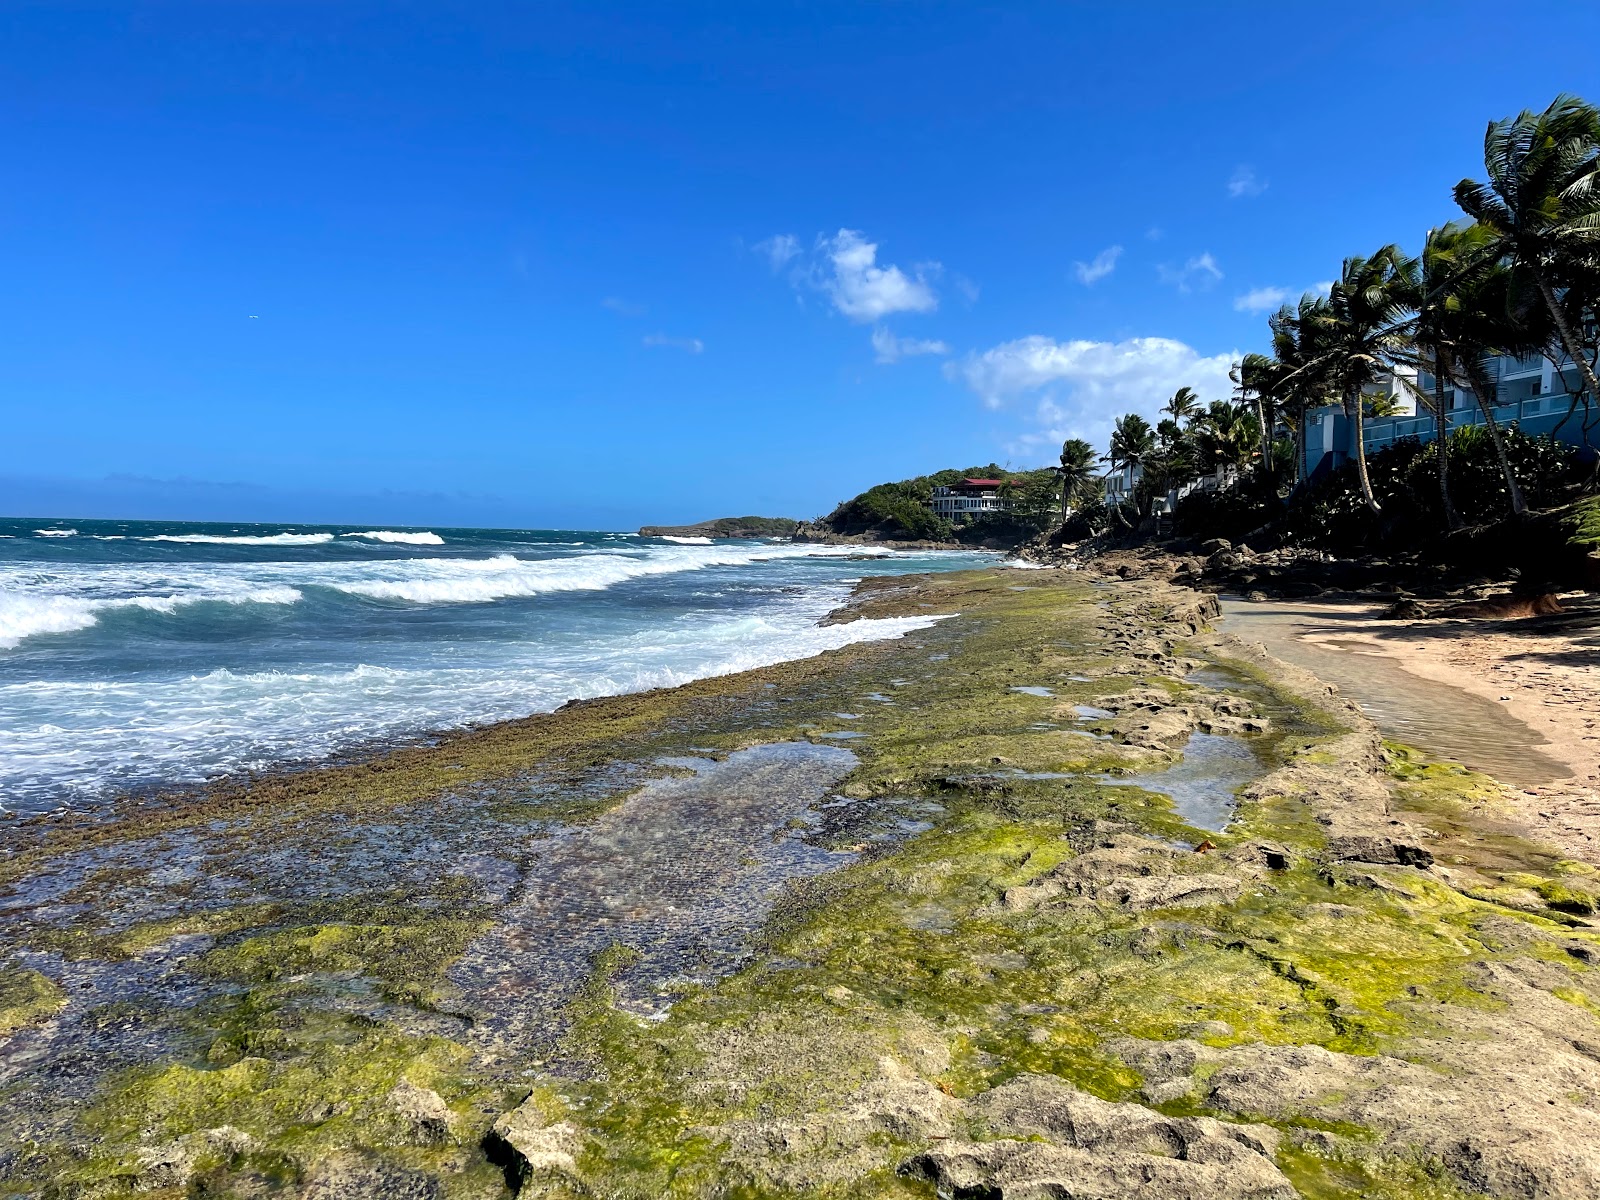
(144, 654)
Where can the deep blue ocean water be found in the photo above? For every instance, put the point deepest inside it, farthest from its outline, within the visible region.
(141, 653)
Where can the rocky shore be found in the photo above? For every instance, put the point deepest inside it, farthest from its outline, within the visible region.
(1068, 894)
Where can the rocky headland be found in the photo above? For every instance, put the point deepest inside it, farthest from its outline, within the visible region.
(727, 527)
(1067, 895)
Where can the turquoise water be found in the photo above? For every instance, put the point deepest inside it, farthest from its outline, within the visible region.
(139, 654)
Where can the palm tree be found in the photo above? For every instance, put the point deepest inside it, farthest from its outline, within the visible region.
(1367, 330)
(1183, 405)
(1298, 381)
(1253, 375)
(1463, 320)
(1227, 435)
(1077, 473)
(1541, 206)
(1132, 442)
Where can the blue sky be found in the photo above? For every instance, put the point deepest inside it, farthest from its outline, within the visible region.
(589, 265)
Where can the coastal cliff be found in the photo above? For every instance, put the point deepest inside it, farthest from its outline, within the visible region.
(1064, 895)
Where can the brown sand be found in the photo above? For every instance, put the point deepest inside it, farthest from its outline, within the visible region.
(1543, 670)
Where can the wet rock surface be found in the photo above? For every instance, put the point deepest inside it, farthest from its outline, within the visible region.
(1226, 945)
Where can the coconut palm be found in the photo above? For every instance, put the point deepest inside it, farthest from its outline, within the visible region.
(1226, 435)
(1183, 405)
(1541, 208)
(1364, 332)
(1298, 381)
(1132, 442)
(1464, 319)
(1077, 473)
(1253, 375)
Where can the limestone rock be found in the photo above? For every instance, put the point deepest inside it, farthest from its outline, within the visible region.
(528, 1145)
(352, 1176)
(424, 1113)
(1096, 1150)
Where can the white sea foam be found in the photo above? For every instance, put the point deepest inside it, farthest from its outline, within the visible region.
(23, 615)
(1022, 564)
(56, 532)
(686, 541)
(86, 736)
(218, 539)
(477, 580)
(406, 539)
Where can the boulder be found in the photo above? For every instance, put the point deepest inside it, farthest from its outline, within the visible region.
(527, 1145)
(1091, 1149)
(422, 1111)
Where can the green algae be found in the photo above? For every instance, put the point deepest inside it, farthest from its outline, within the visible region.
(909, 957)
(26, 996)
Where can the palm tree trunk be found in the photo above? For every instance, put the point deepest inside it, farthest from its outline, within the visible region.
(1303, 435)
(1359, 417)
(1441, 446)
(1569, 342)
(1261, 425)
(1484, 389)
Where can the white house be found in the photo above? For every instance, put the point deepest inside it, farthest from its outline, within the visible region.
(966, 499)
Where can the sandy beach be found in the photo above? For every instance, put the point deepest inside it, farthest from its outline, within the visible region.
(1543, 673)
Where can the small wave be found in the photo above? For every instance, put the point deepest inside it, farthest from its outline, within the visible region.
(23, 616)
(56, 532)
(686, 541)
(217, 539)
(404, 539)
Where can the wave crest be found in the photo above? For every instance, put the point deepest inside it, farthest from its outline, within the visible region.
(218, 539)
(402, 538)
(23, 616)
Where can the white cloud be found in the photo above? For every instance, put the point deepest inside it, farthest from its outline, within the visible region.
(623, 308)
(1245, 182)
(779, 249)
(845, 268)
(1260, 300)
(1081, 387)
(692, 345)
(1200, 272)
(1102, 265)
(887, 348)
(864, 291)
(1270, 299)
(1155, 233)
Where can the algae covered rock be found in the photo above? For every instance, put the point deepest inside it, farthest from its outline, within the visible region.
(356, 1176)
(25, 997)
(424, 1114)
(1081, 1146)
(528, 1145)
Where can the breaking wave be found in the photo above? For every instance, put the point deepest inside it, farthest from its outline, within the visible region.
(23, 616)
(402, 538)
(218, 539)
(469, 581)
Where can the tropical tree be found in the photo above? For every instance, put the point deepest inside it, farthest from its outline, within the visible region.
(1464, 319)
(1298, 380)
(1183, 405)
(1133, 442)
(1253, 375)
(1226, 435)
(1541, 208)
(1078, 475)
(1363, 333)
